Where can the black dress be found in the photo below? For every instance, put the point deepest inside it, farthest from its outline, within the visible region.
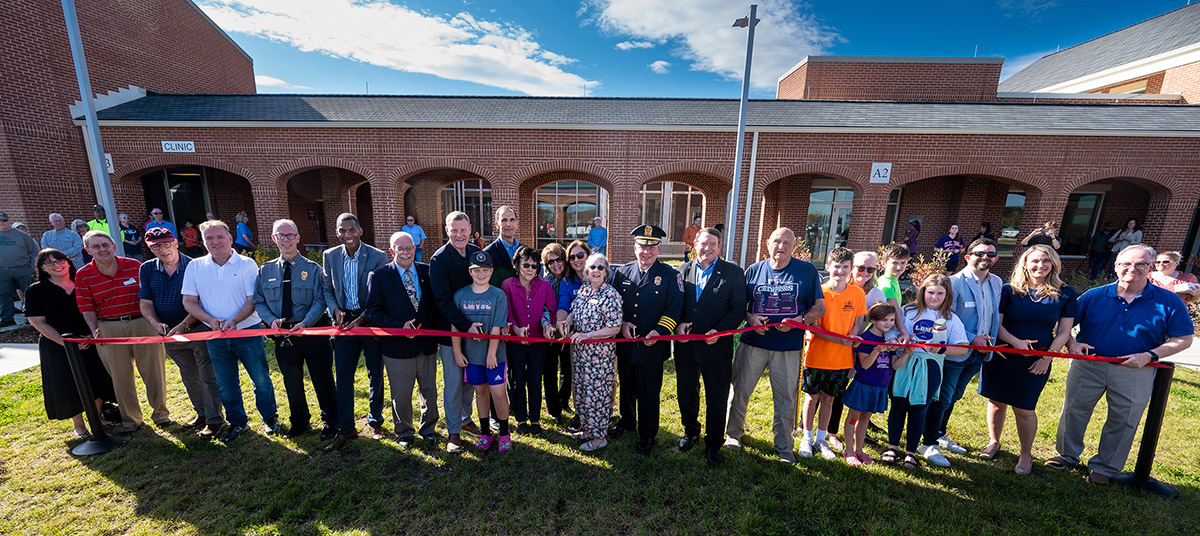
(1006, 378)
(58, 385)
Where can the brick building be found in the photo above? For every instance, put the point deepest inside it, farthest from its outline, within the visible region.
(956, 147)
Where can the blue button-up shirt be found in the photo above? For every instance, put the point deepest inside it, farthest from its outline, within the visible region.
(1115, 327)
(597, 238)
(511, 249)
(166, 291)
(350, 280)
(702, 277)
(418, 234)
(66, 241)
(165, 224)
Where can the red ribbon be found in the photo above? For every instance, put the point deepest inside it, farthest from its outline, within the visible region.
(689, 337)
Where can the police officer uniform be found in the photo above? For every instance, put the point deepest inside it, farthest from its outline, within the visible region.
(293, 290)
(653, 302)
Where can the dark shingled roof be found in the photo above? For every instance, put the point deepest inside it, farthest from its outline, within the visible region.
(1163, 33)
(653, 113)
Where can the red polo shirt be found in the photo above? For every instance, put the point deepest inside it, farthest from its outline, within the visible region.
(109, 297)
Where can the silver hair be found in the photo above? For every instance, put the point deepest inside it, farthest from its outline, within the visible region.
(590, 260)
(398, 234)
(53, 214)
(1142, 247)
(868, 254)
(94, 233)
(122, 215)
(275, 226)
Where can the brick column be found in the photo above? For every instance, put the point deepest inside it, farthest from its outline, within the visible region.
(387, 206)
(1164, 228)
(270, 204)
(866, 217)
(622, 218)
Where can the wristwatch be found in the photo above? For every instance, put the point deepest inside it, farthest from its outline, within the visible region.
(1153, 356)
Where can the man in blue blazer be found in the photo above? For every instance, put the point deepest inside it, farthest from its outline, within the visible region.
(714, 299)
(346, 268)
(505, 246)
(400, 297)
(977, 304)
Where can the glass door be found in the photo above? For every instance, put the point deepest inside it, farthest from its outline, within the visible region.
(818, 225)
(841, 228)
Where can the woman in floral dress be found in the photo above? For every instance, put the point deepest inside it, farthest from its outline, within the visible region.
(595, 314)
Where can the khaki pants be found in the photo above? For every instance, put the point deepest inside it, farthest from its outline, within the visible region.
(749, 363)
(1126, 390)
(119, 360)
(401, 375)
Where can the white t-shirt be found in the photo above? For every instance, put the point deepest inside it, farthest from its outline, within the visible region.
(223, 290)
(920, 327)
(875, 296)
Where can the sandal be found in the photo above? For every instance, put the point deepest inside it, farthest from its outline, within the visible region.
(506, 444)
(594, 444)
(483, 443)
(853, 460)
(866, 460)
(889, 455)
(990, 451)
(910, 461)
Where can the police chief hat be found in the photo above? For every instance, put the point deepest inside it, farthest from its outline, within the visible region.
(648, 235)
(479, 259)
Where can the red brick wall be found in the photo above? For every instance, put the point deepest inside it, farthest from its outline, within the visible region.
(163, 45)
(1154, 84)
(1185, 80)
(910, 81)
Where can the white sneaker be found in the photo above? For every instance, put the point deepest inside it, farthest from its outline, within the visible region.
(933, 453)
(826, 452)
(734, 444)
(950, 446)
(835, 443)
(806, 447)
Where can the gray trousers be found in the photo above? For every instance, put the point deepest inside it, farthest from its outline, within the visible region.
(401, 375)
(1126, 390)
(458, 398)
(199, 380)
(749, 363)
(10, 281)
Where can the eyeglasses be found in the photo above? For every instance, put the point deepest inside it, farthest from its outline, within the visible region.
(867, 269)
(578, 256)
(55, 262)
(404, 249)
(988, 254)
(287, 236)
(1137, 265)
(533, 266)
(156, 213)
(597, 267)
(555, 260)
(160, 245)
(1163, 262)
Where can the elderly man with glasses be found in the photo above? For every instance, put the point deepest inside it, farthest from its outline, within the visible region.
(417, 234)
(156, 220)
(63, 239)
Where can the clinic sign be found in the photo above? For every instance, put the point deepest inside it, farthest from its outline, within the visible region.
(179, 146)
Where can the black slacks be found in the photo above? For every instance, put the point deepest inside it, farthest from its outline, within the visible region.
(641, 393)
(293, 353)
(717, 379)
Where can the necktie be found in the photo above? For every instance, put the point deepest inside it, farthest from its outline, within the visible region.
(412, 290)
(286, 312)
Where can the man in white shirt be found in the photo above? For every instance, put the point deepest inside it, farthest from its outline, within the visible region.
(218, 289)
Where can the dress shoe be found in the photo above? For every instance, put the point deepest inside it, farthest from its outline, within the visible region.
(164, 423)
(471, 428)
(687, 442)
(271, 427)
(621, 427)
(454, 444)
(714, 456)
(1097, 478)
(375, 431)
(130, 428)
(235, 431)
(297, 431)
(210, 431)
(340, 441)
(535, 429)
(574, 425)
(328, 432)
(6, 323)
(405, 442)
(523, 428)
(644, 446)
(194, 423)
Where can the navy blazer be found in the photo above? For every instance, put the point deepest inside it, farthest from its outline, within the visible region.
(722, 306)
(653, 303)
(503, 268)
(388, 306)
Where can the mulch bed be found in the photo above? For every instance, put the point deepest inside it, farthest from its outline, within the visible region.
(21, 335)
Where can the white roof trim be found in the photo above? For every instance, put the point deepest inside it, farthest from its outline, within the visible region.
(1128, 71)
(644, 128)
(1089, 96)
(110, 99)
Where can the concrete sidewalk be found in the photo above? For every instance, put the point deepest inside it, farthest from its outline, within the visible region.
(17, 357)
(1189, 358)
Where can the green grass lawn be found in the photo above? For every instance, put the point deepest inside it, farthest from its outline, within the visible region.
(167, 481)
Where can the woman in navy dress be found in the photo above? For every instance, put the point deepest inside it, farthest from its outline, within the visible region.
(1037, 310)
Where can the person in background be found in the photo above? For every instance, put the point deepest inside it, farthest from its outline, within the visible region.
(21, 227)
(595, 315)
(1131, 234)
(63, 239)
(689, 236)
(131, 238)
(51, 309)
(532, 312)
(597, 240)
(985, 231)
(81, 228)
(100, 222)
(477, 239)
(244, 241)
(156, 220)
(952, 244)
(1046, 235)
(1099, 250)
(18, 264)
(910, 239)
(210, 216)
(417, 233)
(1167, 275)
(191, 240)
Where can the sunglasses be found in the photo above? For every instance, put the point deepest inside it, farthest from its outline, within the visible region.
(988, 254)
(1163, 262)
(867, 269)
(554, 260)
(530, 266)
(578, 256)
(597, 267)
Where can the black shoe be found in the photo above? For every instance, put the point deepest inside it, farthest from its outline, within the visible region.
(328, 432)
(296, 431)
(271, 427)
(644, 446)
(621, 427)
(535, 429)
(575, 425)
(523, 428)
(714, 456)
(6, 323)
(235, 431)
(405, 442)
(687, 442)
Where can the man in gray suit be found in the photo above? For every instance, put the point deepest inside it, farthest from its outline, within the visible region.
(346, 268)
(977, 304)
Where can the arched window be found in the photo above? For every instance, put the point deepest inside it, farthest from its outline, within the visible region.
(473, 197)
(565, 210)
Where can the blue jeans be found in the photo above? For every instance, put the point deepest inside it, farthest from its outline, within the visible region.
(955, 378)
(345, 362)
(419, 254)
(225, 355)
(1097, 263)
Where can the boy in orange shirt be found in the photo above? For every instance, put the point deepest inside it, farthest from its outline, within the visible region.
(829, 360)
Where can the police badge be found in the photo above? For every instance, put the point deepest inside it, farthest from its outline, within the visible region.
(657, 280)
(304, 276)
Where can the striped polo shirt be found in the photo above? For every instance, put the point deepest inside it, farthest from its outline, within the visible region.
(109, 297)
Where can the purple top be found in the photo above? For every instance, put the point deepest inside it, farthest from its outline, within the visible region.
(880, 373)
(526, 309)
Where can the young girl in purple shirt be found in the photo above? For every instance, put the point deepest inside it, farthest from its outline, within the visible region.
(873, 368)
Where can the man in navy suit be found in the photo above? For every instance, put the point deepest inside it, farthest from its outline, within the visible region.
(505, 245)
(399, 296)
(714, 299)
(346, 268)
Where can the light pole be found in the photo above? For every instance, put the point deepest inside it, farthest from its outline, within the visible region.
(750, 22)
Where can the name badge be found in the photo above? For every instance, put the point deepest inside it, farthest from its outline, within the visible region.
(271, 280)
(594, 301)
(131, 281)
(969, 304)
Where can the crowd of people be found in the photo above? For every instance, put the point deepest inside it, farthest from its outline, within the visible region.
(571, 294)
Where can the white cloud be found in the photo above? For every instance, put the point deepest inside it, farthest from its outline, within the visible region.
(263, 80)
(455, 47)
(629, 45)
(659, 67)
(1014, 65)
(702, 31)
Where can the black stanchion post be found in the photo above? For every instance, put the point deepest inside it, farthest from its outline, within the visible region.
(100, 442)
(1140, 478)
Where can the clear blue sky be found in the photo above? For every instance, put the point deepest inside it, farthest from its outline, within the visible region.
(627, 48)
